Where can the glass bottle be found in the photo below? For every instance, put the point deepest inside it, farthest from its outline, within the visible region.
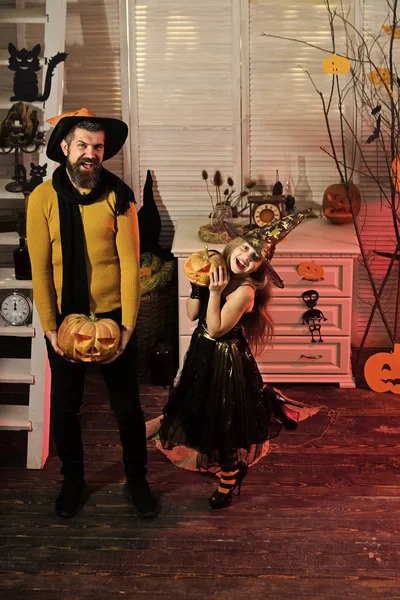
(161, 363)
(22, 263)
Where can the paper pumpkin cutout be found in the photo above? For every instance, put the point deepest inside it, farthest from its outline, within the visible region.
(310, 270)
(25, 64)
(336, 65)
(336, 205)
(82, 112)
(88, 339)
(382, 371)
(198, 266)
(388, 29)
(381, 77)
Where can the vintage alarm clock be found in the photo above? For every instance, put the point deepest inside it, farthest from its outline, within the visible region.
(264, 209)
(16, 308)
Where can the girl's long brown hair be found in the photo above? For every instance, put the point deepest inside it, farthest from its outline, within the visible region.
(257, 324)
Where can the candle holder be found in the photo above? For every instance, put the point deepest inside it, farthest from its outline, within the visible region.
(18, 142)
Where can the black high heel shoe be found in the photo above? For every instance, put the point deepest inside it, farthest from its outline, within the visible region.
(281, 411)
(230, 482)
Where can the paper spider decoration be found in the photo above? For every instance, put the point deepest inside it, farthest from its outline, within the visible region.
(313, 316)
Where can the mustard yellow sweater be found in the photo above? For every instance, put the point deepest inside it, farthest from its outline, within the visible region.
(112, 256)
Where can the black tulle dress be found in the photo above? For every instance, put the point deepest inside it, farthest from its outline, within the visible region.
(220, 406)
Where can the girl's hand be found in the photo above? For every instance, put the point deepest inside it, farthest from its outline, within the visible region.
(219, 279)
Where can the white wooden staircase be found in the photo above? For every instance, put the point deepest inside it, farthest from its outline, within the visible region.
(34, 371)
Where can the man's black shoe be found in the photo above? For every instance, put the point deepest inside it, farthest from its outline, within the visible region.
(71, 499)
(137, 490)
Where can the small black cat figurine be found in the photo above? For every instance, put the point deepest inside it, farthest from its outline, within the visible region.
(25, 63)
(37, 173)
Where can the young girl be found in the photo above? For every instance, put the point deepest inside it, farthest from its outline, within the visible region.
(220, 407)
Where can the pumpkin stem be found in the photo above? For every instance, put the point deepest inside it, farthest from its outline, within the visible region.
(93, 317)
(206, 251)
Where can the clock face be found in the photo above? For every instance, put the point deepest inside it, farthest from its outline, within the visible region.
(16, 309)
(265, 213)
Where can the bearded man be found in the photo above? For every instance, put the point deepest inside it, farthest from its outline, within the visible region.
(83, 240)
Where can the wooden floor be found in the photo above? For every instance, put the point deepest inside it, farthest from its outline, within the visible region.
(319, 518)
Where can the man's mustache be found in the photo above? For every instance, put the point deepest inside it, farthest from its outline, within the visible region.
(90, 161)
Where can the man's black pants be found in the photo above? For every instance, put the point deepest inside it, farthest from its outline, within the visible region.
(67, 397)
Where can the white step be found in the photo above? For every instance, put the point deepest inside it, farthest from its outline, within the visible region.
(5, 55)
(5, 195)
(20, 331)
(7, 276)
(15, 370)
(15, 417)
(6, 103)
(22, 15)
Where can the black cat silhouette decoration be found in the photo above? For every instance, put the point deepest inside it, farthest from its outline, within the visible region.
(37, 173)
(314, 316)
(26, 63)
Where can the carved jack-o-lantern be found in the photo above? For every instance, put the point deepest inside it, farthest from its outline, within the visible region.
(310, 270)
(382, 371)
(198, 266)
(87, 339)
(336, 205)
(336, 65)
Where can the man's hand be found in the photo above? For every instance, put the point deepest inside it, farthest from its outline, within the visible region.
(52, 337)
(126, 334)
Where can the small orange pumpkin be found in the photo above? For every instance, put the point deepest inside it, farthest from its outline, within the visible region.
(336, 205)
(336, 65)
(197, 267)
(88, 339)
(310, 270)
(382, 371)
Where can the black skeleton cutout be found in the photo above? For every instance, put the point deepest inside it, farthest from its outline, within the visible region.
(314, 316)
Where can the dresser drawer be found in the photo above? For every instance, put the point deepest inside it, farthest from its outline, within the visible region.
(337, 281)
(294, 355)
(287, 316)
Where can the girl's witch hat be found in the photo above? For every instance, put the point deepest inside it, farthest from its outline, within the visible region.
(264, 239)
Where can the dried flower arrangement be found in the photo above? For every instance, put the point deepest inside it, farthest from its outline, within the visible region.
(229, 197)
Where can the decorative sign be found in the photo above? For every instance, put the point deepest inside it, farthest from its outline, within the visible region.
(382, 371)
(310, 270)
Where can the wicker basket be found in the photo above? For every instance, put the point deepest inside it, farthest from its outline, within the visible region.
(157, 317)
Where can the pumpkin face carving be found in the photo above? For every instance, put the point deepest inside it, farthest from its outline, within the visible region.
(382, 371)
(310, 270)
(336, 205)
(198, 266)
(87, 339)
(336, 65)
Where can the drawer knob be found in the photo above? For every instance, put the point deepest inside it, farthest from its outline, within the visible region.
(311, 357)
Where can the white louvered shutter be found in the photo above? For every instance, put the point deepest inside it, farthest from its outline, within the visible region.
(92, 69)
(187, 102)
(285, 120)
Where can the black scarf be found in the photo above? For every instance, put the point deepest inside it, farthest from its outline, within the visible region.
(75, 287)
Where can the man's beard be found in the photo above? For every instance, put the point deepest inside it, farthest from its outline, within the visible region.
(84, 179)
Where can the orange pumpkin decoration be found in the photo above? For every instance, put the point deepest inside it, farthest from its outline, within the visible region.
(82, 112)
(379, 76)
(382, 371)
(198, 266)
(88, 339)
(310, 270)
(336, 65)
(336, 205)
(388, 29)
